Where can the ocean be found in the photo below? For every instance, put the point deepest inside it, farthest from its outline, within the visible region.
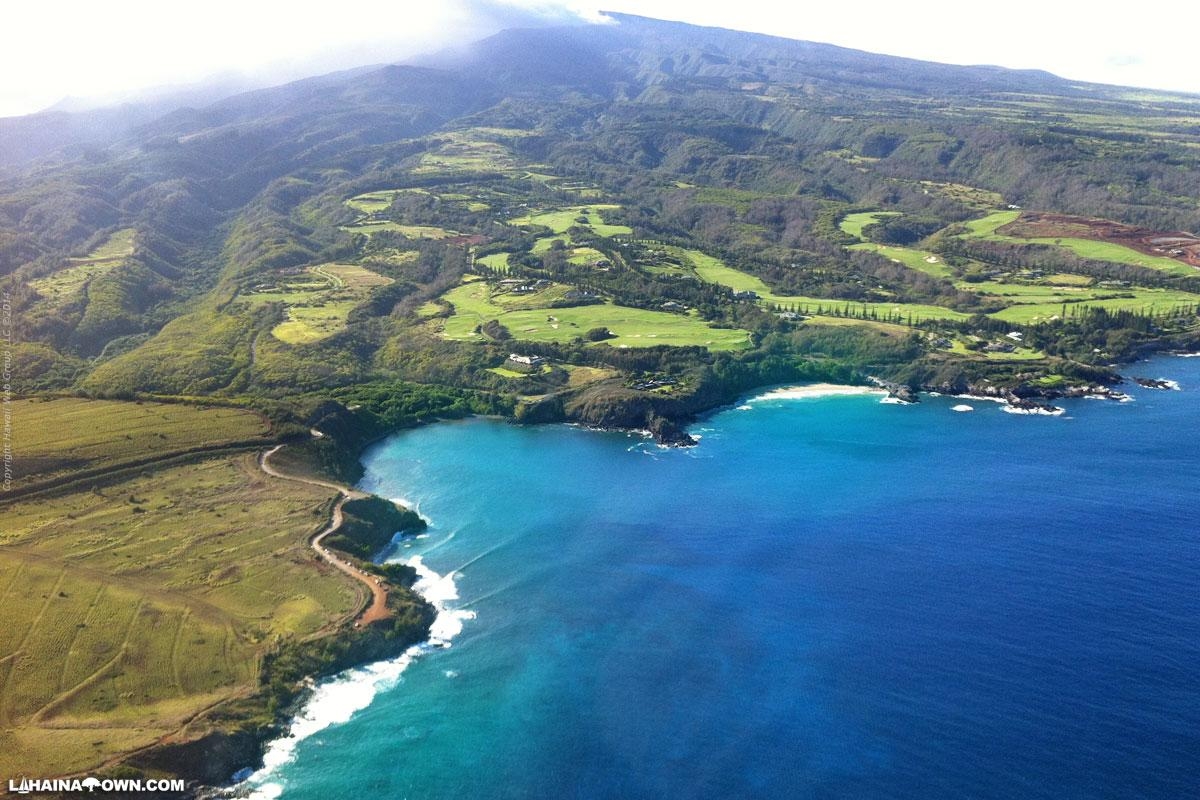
(828, 597)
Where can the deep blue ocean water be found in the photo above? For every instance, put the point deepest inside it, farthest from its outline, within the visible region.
(827, 598)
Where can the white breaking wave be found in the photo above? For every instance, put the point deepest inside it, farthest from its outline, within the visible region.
(1048, 411)
(337, 699)
(962, 407)
(411, 506)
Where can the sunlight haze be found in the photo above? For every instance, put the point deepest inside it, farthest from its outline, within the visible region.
(105, 52)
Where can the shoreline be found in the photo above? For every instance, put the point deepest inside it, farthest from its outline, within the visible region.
(816, 390)
(286, 720)
(383, 672)
(335, 699)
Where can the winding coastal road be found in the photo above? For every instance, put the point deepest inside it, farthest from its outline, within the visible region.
(378, 609)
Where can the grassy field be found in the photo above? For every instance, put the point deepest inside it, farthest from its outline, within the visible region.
(1032, 292)
(131, 608)
(496, 261)
(66, 284)
(559, 221)
(370, 226)
(585, 256)
(372, 202)
(51, 437)
(474, 304)
(986, 228)
(1029, 303)
(582, 376)
(920, 260)
(319, 302)
(1107, 251)
(713, 270)
(1020, 354)
(544, 244)
(1154, 301)
(469, 151)
(853, 224)
(889, 328)
(1067, 279)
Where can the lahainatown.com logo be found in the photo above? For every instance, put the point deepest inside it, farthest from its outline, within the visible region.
(90, 784)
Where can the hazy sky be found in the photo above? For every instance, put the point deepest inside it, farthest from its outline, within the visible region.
(90, 48)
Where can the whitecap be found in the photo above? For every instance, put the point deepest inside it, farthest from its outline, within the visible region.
(962, 407)
(988, 398)
(335, 700)
(1047, 411)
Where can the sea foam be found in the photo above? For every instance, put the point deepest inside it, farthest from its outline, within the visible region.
(337, 699)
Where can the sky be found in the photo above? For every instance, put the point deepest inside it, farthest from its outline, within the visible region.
(108, 50)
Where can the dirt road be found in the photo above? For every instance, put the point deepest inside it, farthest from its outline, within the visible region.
(378, 609)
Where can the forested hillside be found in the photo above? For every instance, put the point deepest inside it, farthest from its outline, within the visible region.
(654, 216)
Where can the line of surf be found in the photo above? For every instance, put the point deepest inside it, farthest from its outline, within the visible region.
(336, 700)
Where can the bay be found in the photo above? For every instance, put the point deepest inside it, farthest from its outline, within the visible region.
(828, 597)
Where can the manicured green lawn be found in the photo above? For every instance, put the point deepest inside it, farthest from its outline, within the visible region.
(559, 221)
(318, 309)
(920, 260)
(853, 224)
(634, 327)
(409, 231)
(1143, 301)
(713, 270)
(1107, 251)
(496, 261)
(986, 227)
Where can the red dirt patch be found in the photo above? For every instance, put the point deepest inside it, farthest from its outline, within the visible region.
(1181, 246)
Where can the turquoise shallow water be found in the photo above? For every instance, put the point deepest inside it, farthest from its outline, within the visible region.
(826, 598)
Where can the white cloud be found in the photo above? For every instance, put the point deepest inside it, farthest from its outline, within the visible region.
(96, 48)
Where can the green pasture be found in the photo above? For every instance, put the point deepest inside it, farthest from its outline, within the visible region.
(560, 220)
(474, 304)
(920, 260)
(853, 224)
(317, 303)
(134, 606)
(55, 436)
(67, 283)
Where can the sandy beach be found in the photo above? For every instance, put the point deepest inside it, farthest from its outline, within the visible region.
(818, 390)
